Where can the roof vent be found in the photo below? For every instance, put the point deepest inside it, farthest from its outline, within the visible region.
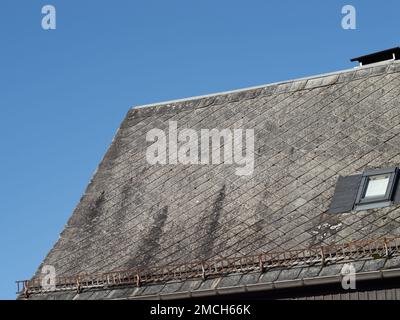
(386, 55)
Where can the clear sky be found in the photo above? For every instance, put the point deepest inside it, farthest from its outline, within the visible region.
(64, 92)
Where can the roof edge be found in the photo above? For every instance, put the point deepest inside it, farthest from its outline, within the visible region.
(269, 286)
(215, 94)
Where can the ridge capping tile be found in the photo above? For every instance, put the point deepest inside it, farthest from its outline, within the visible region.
(270, 88)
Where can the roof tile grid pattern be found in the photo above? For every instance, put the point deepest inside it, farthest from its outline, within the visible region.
(307, 133)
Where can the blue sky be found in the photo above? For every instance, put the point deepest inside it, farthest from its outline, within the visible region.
(64, 92)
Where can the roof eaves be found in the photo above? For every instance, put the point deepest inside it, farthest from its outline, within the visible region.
(274, 285)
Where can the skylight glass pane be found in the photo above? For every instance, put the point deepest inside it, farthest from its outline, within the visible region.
(377, 186)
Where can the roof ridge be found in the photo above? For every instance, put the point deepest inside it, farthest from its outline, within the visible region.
(267, 85)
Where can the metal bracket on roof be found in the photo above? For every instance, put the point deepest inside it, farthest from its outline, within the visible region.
(386, 248)
(78, 286)
(138, 280)
(203, 271)
(322, 256)
(26, 289)
(261, 264)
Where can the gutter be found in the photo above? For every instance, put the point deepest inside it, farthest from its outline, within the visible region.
(270, 286)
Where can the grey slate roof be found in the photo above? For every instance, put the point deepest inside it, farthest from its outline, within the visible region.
(308, 133)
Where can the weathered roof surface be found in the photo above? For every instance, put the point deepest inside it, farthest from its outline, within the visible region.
(308, 132)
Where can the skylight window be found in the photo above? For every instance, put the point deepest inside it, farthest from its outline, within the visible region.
(376, 189)
(377, 186)
(370, 190)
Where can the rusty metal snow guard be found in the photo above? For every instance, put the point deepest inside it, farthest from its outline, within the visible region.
(356, 250)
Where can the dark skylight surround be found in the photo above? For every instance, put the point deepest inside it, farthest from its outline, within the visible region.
(372, 189)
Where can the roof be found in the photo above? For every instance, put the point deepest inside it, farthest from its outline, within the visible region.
(389, 54)
(308, 132)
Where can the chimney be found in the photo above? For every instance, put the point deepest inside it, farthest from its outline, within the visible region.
(380, 56)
